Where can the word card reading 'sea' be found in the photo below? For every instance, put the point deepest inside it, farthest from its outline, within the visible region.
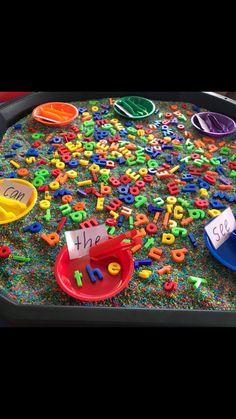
(15, 190)
(80, 241)
(219, 229)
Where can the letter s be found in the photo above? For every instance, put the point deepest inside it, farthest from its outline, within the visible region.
(216, 234)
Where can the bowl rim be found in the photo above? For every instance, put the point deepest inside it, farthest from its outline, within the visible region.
(135, 117)
(217, 134)
(214, 252)
(55, 124)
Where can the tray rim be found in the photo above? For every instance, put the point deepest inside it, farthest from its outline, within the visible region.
(12, 111)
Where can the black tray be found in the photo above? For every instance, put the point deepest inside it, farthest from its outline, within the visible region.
(27, 314)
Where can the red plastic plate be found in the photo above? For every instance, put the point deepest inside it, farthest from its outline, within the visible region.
(108, 287)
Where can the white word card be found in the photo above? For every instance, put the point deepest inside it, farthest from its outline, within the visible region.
(15, 190)
(219, 229)
(80, 241)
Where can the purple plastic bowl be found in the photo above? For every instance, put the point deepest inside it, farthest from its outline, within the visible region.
(230, 123)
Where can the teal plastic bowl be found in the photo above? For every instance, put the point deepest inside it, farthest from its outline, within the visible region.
(145, 103)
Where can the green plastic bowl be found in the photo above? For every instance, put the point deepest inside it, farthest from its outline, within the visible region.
(145, 103)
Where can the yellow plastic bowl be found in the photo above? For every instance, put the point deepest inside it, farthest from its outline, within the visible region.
(30, 204)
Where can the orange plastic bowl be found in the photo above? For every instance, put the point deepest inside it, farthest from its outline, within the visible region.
(62, 113)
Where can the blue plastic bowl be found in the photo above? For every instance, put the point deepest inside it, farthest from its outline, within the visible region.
(226, 253)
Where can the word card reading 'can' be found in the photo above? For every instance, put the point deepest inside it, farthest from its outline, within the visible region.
(15, 190)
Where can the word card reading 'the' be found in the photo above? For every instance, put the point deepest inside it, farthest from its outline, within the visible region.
(80, 241)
